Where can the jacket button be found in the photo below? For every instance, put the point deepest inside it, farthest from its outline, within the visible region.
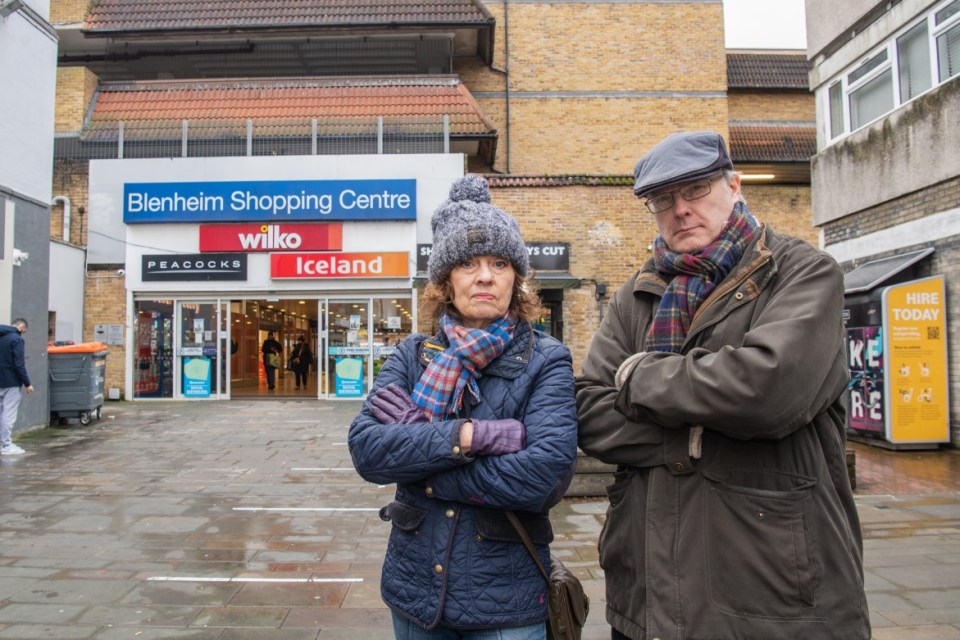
(429, 491)
(449, 513)
(679, 466)
(438, 568)
(456, 451)
(738, 295)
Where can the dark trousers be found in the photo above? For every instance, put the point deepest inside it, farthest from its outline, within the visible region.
(616, 635)
(301, 376)
(271, 375)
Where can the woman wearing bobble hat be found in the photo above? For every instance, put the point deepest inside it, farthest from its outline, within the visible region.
(472, 422)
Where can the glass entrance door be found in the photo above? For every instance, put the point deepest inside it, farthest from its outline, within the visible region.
(203, 367)
(348, 364)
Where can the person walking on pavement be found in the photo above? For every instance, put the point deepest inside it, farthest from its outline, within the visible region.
(271, 347)
(300, 360)
(715, 383)
(13, 376)
(475, 421)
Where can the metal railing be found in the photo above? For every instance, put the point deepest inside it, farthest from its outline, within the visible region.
(213, 138)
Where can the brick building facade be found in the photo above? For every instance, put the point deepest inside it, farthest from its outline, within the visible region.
(572, 92)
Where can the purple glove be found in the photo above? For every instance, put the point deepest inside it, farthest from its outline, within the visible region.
(392, 405)
(496, 437)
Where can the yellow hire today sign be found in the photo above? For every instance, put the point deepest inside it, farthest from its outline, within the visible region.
(915, 349)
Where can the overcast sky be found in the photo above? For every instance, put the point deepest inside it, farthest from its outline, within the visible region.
(764, 24)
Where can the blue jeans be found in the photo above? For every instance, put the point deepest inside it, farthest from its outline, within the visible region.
(403, 629)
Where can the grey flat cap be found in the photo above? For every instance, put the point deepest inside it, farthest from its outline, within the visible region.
(678, 158)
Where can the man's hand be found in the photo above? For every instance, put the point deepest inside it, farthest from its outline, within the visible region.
(493, 437)
(29, 388)
(392, 405)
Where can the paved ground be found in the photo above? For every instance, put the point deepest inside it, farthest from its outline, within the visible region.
(245, 521)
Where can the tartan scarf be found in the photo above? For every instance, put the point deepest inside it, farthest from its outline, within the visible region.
(441, 388)
(694, 276)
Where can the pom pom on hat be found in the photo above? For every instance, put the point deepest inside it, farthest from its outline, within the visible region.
(466, 226)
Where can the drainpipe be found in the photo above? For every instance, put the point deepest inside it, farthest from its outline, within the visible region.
(66, 215)
(506, 74)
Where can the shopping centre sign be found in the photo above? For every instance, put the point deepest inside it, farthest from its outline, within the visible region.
(269, 201)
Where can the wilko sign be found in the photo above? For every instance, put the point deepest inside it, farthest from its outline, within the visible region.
(339, 265)
(271, 237)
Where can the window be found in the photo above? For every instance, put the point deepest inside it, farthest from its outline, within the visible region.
(836, 109)
(913, 51)
(898, 71)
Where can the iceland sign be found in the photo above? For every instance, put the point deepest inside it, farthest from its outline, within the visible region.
(269, 200)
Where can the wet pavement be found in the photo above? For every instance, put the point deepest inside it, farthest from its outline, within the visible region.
(245, 521)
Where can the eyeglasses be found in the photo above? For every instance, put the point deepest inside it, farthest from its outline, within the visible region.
(691, 191)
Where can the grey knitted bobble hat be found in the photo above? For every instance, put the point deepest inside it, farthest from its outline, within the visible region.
(466, 226)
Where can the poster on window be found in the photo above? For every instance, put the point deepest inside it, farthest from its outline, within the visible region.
(196, 377)
(348, 374)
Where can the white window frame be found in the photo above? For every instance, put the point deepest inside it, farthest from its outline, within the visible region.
(892, 63)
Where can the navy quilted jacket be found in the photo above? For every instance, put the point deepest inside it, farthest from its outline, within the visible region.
(453, 558)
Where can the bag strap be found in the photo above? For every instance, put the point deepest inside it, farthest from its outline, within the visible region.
(522, 532)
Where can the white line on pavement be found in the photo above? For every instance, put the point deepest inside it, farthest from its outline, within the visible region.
(322, 469)
(306, 509)
(210, 579)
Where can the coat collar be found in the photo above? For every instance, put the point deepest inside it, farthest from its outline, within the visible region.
(509, 365)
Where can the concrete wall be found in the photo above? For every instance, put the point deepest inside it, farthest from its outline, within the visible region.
(66, 290)
(904, 152)
(28, 49)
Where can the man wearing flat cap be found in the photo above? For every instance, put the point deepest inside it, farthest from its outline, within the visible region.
(715, 383)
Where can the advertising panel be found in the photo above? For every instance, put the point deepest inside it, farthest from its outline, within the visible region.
(269, 200)
(915, 344)
(865, 391)
(271, 237)
(349, 377)
(340, 265)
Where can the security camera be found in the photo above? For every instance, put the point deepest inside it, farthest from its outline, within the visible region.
(121, 272)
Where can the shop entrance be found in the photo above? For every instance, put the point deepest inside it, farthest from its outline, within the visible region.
(283, 322)
(214, 349)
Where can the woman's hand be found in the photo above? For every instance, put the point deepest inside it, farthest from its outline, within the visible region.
(492, 437)
(392, 405)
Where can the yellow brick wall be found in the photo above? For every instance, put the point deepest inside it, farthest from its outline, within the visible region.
(75, 89)
(106, 303)
(756, 105)
(786, 208)
(70, 180)
(601, 136)
(69, 11)
(562, 53)
(612, 47)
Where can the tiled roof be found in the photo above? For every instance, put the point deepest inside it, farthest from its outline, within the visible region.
(768, 71)
(341, 105)
(772, 142)
(163, 15)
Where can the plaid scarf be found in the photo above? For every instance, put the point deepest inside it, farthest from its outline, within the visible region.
(694, 276)
(440, 389)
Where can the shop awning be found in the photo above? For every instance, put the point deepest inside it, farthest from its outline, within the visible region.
(556, 280)
(874, 273)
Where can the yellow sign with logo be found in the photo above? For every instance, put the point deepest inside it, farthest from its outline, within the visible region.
(915, 348)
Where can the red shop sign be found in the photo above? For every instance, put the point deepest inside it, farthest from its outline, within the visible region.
(340, 265)
(271, 237)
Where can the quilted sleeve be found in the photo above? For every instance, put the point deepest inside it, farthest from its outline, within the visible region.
(535, 478)
(402, 452)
